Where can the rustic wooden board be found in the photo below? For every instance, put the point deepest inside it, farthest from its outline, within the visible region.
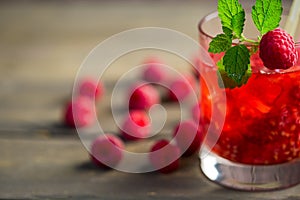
(38, 165)
(42, 47)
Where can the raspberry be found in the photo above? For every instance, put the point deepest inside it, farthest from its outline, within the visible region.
(164, 156)
(143, 97)
(181, 87)
(154, 72)
(277, 50)
(90, 88)
(136, 125)
(79, 113)
(106, 151)
(188, 137)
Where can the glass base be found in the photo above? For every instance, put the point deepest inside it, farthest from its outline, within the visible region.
(249, 177)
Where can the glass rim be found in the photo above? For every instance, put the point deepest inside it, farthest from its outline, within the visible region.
(213, 15)
(207, 18)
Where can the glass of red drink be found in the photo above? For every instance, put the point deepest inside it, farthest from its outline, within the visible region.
(257, 147)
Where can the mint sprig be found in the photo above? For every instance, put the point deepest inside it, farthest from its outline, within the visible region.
(232, 16)
(225, 81)
(220, 43)
(236, 61)
(266, 15)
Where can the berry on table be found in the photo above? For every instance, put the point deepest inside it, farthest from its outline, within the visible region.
(277, 50)
(91, 88)
(143, 96)
(181, 87)
(106, 151)
(136, 125)
(188, 137)
(154, 71)
(79, 112)
(164, 156)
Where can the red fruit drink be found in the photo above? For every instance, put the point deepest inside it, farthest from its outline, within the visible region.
(262, 117)
(252, 130)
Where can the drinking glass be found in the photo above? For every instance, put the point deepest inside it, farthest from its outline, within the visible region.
(257, 147)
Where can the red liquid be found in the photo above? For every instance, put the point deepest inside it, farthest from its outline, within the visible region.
(262, 118)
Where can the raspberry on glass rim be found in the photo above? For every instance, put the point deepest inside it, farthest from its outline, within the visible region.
(277, 50)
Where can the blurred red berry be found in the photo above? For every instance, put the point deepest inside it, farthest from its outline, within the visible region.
(181, 87)
(79, 112)
(136, 125)
(143, 96)
(106, 151)
(188, 137)
(91, 88)
(154, 70)
(164, 156)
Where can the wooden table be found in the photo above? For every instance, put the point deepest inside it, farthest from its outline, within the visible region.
(42, 45)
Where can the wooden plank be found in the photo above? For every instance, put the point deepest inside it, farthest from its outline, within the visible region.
(46, 167)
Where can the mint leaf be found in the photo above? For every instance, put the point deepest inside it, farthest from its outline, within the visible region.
(220, 43)
(227, 31)
(224, 81)
(238, 21)
(266, 15)
(232, 15)
(236, 61)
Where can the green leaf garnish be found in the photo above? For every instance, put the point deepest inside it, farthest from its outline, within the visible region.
(227, 31)
(225, 81)
(266, 15)
(234, 67)
(232, 16)
(236, 61)
(220, 43)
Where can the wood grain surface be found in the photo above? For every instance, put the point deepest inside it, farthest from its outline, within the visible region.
(42, 45)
